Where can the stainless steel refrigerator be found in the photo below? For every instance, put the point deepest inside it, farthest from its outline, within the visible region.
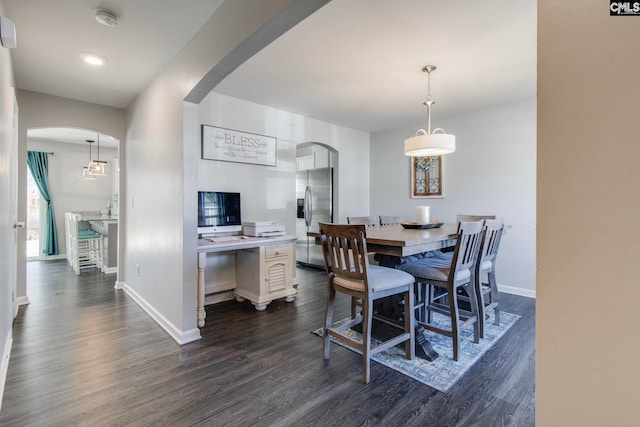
(314, 193)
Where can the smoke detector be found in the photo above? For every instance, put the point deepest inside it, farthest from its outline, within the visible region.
(106, 17)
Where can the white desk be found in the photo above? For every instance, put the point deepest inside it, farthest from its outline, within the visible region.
(267, 269)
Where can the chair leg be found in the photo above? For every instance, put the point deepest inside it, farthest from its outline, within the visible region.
(419, 298)
(455, 318)
(480, 303)
(475, 311)
(409, 323)
(495, 299)
(367, 310)
(328, 321)
(354, 304)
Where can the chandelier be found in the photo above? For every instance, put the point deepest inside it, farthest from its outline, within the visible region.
(427, 143)
(95, 167)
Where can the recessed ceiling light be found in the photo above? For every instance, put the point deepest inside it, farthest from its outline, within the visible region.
(92, 59)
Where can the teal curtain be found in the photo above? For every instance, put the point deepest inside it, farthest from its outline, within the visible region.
(38, 163)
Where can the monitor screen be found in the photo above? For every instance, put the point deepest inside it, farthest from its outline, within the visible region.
(218, 211)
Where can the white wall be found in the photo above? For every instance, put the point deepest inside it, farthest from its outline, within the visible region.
(69, 191)
(587, 371)
(269, 193)
(7, 235)
(493, 171)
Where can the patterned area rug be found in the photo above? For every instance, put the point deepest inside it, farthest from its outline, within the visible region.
(443, 372)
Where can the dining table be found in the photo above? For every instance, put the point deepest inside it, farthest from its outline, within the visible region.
(392, 243)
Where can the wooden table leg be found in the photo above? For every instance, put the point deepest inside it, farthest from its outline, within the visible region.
(202, 264)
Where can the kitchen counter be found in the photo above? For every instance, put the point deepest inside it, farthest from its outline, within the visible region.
(107, 226)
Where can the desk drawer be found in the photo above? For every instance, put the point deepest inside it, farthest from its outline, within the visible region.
(277, 251)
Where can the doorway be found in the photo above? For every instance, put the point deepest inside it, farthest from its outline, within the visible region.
(316, 190)
(69, 152)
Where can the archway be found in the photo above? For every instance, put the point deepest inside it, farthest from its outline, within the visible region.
(316, 187)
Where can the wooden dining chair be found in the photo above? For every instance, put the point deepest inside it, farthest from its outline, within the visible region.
(463, 218)
(369, 221)
(485, 277)
(348, 271)
(390, 219)
(487, 292)
(458, 273)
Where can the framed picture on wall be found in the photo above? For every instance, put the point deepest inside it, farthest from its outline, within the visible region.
(230, 145)
(427, 177)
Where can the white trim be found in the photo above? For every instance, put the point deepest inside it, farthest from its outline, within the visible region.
(529, 293)
(181, 337)
(46, 257)
(109, 270)
(23, 300)
(119, 285)
(4, 364)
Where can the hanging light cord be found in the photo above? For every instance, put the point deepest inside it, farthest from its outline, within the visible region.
(429, 102)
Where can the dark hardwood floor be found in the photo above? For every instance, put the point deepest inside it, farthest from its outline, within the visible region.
(86, 354)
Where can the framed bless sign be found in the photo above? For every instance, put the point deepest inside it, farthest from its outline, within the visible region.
(230, 145)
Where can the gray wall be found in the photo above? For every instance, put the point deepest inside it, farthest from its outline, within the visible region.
(493, 171)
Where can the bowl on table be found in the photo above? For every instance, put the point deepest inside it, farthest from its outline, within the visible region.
(416, 225)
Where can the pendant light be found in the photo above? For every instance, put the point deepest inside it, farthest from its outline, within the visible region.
(87, 171)
(99, 167)
(427, 143)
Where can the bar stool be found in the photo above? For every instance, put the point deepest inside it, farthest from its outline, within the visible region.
(485, 268)
(348, 271)
(86, 246)
(457, 274)
(487, 291)
(391, 219)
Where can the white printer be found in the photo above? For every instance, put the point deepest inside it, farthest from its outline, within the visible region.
(263, 228)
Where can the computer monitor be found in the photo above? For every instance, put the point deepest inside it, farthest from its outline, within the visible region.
(218, 212)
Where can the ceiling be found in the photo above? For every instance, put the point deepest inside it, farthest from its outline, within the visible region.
(354, 63)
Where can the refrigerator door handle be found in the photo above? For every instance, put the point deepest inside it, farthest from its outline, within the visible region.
(308, 207)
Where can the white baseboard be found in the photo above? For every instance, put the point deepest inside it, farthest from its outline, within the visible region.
(109, 270)
(517, 291)
(4, 364)
(22, 300)
(52, 257)
(181, 337)
(119, 285)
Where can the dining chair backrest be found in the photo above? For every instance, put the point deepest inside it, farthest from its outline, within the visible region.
(345, 250)
(369, 221)
(390, 219)
(490, 242)
(461, 218)
(467, 245)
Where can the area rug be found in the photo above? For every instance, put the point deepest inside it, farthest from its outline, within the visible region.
(443, 372)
